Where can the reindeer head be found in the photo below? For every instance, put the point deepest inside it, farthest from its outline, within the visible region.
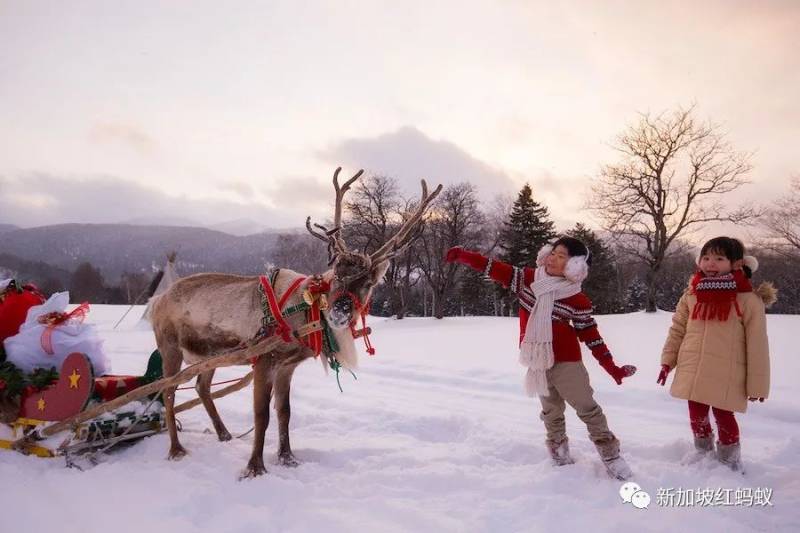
(353, 275)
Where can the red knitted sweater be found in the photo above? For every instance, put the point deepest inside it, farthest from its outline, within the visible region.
(572, 317)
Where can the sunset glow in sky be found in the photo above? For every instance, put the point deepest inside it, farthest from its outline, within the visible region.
(212, 111)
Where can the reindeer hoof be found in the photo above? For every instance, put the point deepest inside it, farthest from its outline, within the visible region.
(253, 470)
(224, 436)
(176, 453)
(289, 460)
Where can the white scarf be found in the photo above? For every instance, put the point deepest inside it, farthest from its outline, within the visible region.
(536, 350)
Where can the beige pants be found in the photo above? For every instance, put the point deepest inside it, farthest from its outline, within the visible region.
(569, 382)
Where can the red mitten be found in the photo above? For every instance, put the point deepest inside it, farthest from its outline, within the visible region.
(453, 254)
(616, 372)
(662, 376)
(471, 259)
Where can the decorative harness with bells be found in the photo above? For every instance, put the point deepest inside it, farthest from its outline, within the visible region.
(314, 302)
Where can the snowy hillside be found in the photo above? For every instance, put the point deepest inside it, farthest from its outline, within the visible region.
(436, 435)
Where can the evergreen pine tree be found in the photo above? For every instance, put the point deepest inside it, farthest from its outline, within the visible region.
(635, 295)
(476, 294)
(87, 284)
(527, 229)
(602, 285)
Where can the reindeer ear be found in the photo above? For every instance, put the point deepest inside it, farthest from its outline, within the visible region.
(378, 270)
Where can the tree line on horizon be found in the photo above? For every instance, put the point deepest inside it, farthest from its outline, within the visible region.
(673, 176)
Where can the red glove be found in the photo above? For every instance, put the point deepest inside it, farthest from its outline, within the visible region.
(453, 254)
(617, 372)
(472, 259)
(662, 376)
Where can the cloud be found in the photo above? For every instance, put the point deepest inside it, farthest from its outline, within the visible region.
(240, 188)
(38, 199)
(124, 134)
(409, 155)
(299, 193)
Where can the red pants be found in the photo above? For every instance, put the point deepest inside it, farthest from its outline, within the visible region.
(701, 426)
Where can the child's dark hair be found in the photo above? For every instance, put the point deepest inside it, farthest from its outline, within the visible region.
(731, 248)
(575, 247)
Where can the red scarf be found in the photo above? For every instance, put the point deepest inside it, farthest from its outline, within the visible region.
(716, 295)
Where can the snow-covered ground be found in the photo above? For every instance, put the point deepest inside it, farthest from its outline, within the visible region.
(436, 435)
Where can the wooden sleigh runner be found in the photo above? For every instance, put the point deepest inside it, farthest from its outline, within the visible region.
(96, 413)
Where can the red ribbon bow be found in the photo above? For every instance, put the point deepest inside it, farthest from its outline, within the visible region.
(55, 319)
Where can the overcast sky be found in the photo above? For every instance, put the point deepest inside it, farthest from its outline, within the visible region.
(212, 111)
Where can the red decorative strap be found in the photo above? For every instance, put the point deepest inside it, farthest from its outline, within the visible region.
(55, 319)
(315, 338)
(293, 287)
(318, 285)
(284, 329)
(362, 310)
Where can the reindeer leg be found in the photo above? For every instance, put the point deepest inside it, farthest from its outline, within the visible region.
(203, 388)
(262, 392)
(283, 382)
(172, 359)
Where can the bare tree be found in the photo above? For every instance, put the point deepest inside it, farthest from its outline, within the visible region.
(670, 179)
(132, 284)
(782, 221)
(297, 252)
(373, 212)
(455, 219)
(497, 214)
(405, 272)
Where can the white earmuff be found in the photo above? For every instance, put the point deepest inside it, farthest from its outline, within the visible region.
(751, 262)
(577, 268)
(546, 250)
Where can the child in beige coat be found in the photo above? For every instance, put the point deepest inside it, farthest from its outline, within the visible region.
(717, 346)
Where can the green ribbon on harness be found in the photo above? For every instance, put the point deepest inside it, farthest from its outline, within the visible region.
(328, 340)
(330, 349)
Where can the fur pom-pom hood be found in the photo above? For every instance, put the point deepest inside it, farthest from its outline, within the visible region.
(767, 292)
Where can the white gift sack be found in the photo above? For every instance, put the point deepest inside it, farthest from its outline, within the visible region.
(25, 349)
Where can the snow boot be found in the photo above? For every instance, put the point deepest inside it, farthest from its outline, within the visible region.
(731, 456)
(703, 448)
(559, 452)
(614, 463)
(704, 444)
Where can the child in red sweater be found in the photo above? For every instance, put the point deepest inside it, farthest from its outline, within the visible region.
(554, 315)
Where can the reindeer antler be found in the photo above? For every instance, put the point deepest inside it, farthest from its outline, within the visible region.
(337, 217)
(403, 237)
(328, 236)
(335, 244)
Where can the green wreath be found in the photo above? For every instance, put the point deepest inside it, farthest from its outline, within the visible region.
(13, 381)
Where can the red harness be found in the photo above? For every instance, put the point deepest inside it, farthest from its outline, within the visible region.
(317, 286)
(276, 308)
(362, 310)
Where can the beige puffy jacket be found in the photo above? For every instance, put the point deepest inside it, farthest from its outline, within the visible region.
(720, 363)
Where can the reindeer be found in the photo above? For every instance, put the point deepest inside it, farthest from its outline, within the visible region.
(204, 314)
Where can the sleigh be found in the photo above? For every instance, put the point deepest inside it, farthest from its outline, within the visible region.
(82, 412)
(78, 390)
